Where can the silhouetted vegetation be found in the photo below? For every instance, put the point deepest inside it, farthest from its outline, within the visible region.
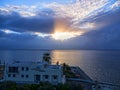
(69, 87)
(67, 71)
(46, 57)
(8, 85)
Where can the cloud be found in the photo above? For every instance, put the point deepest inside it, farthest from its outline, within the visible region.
(115, 5)
(43, 25)
(33, 27)
(78, 10)
(23, 10)
(15, 21)
(83, 11)
(42, 17)
(106, 37)
(11, 35)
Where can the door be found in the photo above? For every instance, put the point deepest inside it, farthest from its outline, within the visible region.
(37, 78)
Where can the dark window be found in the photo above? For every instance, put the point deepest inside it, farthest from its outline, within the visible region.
(13, 69)
(14, 75)
(27, 76)
(37, 78)
(27, 68)
(22, 68)
(46, 76)
(22, 75)
(55, 76)
(9, 75)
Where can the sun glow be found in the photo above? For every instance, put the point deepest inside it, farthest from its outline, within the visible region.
(65, 35)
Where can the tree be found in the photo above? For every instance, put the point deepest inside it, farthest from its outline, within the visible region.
(46, 57)
(67, 71)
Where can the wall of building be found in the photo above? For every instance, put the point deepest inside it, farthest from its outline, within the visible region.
(28, 74)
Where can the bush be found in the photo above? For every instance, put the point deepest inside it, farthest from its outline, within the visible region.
(67, 71)
(45, 86)
(8, 85)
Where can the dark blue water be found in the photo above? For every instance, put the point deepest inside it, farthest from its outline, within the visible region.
(99, 65)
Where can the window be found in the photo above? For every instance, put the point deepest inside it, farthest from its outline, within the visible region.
(13, 70)
(27, 68)
(14, 75)
(22, 68)
(9, 75)
(46, 76)
(22, 76)
(37, 78)
(55, 77)
(27, 76)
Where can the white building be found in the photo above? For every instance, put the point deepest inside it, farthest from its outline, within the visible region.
(33, 72)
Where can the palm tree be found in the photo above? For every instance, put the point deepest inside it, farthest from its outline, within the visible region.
(46, 57)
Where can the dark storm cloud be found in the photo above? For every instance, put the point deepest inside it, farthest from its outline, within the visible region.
(105, 37)
(108, 17)
(25, 41)
(22, 38)
(14, 21)
(18, 41)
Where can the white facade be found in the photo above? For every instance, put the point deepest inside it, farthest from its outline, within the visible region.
(33, 72)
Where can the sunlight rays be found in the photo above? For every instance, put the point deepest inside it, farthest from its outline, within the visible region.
(65, 35)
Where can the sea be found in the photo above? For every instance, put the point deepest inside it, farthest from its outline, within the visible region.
(100, 65)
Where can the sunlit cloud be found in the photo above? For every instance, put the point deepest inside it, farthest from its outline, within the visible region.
(23, 10)
(62, 36)
(83, 10)
(4, 11)
(7, 31)
(40, 34)
(63, 30)
(65, 35)
(86, 26)
(79, 10)
(115, 5)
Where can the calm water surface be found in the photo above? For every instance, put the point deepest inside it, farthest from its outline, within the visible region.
(99, 65)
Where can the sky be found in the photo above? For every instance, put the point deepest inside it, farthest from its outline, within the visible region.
(60, 24)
